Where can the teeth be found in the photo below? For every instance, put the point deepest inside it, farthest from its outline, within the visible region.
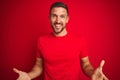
(57, 24)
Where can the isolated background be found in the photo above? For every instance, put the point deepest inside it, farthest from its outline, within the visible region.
(23, 21)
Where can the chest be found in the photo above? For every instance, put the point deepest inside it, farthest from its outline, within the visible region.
(60, 50)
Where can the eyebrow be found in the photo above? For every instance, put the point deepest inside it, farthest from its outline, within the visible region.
(57, 15)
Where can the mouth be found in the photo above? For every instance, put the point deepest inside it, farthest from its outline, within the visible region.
(58, 25)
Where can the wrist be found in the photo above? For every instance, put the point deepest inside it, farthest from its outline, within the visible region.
(29, 75)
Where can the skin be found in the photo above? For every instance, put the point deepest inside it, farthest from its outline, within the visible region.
(58, 19)
(35, 72)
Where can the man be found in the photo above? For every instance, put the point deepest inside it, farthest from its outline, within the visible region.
(60, 54)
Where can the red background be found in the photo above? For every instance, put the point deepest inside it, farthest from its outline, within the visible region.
(22, 21)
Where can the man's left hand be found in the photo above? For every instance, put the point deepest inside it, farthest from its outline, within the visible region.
(98, 74)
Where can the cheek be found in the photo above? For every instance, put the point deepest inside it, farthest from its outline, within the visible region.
(65, 21)
(52, 20)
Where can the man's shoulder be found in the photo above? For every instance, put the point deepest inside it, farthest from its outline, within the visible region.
(45, 36)
(77, 37)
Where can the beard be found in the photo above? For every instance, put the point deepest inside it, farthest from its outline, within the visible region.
(61, 29)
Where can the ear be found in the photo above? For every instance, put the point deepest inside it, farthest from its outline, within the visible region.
(67, 19)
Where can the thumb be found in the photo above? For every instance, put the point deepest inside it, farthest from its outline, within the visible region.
(16, 70)
(102, 64)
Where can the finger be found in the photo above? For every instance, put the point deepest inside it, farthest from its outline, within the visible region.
(102, 64)
(16, 70)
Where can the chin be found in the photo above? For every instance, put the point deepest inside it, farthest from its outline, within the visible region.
(57, 32)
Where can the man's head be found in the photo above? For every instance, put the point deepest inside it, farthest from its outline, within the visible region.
(58, 17)
(59, 4)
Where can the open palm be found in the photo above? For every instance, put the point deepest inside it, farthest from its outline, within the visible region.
(98, 74)
(22, 75)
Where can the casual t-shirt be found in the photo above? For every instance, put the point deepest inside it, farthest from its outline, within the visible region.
(61, 56)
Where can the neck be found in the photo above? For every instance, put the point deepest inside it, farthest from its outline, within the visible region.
(63, 33)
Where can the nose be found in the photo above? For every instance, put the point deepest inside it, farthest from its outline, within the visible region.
(58, 19)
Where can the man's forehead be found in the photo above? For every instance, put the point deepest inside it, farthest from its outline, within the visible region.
(58, 10)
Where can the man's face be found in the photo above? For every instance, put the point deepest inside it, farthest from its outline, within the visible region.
(58, 19)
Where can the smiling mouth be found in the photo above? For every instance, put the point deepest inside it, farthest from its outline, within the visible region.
(57, 26)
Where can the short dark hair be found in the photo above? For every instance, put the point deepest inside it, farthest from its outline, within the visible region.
(59, 4)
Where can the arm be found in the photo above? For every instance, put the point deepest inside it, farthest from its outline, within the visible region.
(35, 72)
(94, 74)
(87, 67)
(37, 69)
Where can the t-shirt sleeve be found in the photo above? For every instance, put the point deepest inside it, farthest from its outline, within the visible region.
(38, 52)
(83, 48)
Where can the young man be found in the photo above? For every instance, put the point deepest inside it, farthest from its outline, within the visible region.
(61, 54)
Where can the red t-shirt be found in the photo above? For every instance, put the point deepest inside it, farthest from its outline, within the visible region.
(61, 56)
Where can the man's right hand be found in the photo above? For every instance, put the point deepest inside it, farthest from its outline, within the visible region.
(22, 75)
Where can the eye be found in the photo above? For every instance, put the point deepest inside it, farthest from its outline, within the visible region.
(53, 16)
(62, 16)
